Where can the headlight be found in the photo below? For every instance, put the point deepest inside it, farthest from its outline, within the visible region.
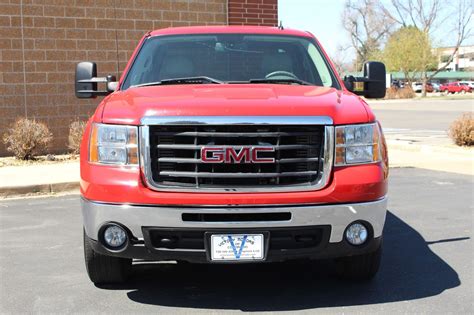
(357, 144)
(113, 144)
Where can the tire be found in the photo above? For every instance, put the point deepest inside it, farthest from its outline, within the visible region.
(361, 267)
(104, 269)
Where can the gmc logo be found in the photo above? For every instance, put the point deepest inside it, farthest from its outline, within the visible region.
(231, 155)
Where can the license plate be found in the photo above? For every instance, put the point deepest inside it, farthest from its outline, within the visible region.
(225, 247)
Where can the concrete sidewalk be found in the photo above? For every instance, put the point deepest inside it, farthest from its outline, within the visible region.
(428, 149)
(438, 158)
(433, 153)
(39, 178)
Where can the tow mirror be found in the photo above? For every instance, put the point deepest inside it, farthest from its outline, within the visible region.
(372, 84)
(87, 81)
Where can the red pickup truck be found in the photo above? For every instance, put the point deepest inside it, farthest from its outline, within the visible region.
(455, 87)
(232, 145)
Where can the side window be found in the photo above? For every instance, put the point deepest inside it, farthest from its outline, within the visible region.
(320, 65)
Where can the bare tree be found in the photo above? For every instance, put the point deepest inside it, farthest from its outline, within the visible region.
(341, 60)
(427, 15)
(367, 26)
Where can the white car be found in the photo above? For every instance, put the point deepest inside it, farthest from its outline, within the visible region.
(417, 86)
(469, 83)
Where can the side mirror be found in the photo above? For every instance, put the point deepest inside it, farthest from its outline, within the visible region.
(375, 73)
(87, 81)
(372, 84)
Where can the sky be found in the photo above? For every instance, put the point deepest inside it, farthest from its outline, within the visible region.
(320, 17)
(323, 19)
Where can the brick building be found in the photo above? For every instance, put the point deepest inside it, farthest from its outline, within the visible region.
(42, 40)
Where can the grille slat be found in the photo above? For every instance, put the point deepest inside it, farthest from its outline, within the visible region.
(199, 147)
(175, 156)
(198, 161)
(235, 175)
(234, 134)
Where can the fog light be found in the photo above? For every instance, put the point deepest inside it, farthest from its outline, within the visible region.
(115, 236)
(356, 234)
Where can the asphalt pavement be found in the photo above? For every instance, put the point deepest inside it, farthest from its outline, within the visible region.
(420, 114)
(427, 264)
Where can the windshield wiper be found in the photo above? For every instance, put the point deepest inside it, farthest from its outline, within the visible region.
(188, 80)
(280, 81)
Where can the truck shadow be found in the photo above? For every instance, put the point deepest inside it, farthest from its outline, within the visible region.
(410, 270)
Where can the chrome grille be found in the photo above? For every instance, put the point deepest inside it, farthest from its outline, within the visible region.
(171, 156)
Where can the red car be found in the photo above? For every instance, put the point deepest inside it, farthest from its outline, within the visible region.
(232, 145)
(455, 87)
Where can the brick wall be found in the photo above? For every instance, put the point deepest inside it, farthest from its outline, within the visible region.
(252, 12)
(42, 40)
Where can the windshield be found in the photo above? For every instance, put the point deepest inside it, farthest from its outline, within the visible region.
(230, 58)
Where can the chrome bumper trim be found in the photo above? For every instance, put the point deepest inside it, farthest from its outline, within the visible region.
(95, 214)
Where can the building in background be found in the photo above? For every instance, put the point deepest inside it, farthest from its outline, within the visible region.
(463, 59)
(42, 41)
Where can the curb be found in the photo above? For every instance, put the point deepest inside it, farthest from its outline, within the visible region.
(39, 188)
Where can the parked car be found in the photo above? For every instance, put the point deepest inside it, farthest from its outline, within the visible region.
(469, 83)
(232, 145)
(418, 86)
(455, 87)
(436, 87)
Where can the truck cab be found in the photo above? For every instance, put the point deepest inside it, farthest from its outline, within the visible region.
(227, 145)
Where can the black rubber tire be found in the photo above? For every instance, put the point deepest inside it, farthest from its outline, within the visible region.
(104, 269)
(360, 267)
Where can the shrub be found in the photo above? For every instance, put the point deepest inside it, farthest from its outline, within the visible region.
(27, 138)
(396, 93)
(76, 129)
(462, 130)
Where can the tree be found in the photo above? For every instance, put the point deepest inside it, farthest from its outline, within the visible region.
(428, 16)
(367, 26)
(409, 50)
(342, 60)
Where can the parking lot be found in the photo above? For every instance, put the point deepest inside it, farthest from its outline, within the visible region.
(427, 264)
(429, 114)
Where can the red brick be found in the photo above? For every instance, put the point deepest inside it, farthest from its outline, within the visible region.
(170, 15)
(66, 44)
(10, 9)
(95, 13)
(43, 22)
(179, 6)
(85, 23)
(4, 21)
(72, 11)
(45, 44)
(75, 33)
(33, 10)
(134, 14)
(197, 7)
(65, 22)
(53, 11)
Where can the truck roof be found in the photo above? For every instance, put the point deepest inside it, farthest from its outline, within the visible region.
(228, 30)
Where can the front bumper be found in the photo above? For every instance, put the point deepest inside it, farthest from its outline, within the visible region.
(139, 219)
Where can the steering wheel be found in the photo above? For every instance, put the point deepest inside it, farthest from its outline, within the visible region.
(281, 73)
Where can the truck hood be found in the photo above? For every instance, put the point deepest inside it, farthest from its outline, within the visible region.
(131, 105)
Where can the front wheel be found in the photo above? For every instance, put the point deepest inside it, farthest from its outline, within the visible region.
(104, 269)
(360, 267)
